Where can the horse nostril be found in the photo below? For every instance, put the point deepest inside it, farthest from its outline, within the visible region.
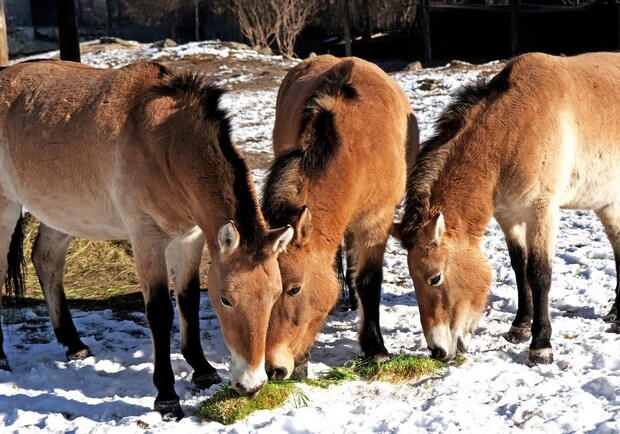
(279, 374)
(438, 353)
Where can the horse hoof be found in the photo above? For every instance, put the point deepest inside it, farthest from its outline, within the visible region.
(611, 317)
(379, 356)
(205, 381)
(300, 372)
(79, 354)
(170, 410)
(542, 356)
(4, 365)
(518, 335)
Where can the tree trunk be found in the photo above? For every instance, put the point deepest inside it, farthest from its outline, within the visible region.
(4, 43)
(514, 27)
(68, 38)
(425, 30)
(347, 30)
(197, 19)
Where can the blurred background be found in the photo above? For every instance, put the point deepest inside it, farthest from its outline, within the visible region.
(431, 31)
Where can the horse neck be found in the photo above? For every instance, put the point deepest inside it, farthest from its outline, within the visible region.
(464, 192)
(329, 222)
(219, 187)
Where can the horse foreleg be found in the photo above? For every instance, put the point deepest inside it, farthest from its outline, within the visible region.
(183, 258)
(149, 247)
(343, 265)
(541, 234)
(520, 330)
(49, 254)
(610, 218)
(368, 279)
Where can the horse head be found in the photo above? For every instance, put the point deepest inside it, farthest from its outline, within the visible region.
(452, 279)
(309, 291)
(244, 283)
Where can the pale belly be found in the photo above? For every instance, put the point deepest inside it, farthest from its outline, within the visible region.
(86, 220)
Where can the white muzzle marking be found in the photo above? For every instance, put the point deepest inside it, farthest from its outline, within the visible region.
(244, 378)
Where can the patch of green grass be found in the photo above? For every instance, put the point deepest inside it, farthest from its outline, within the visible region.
(398, 369)
(227, 407)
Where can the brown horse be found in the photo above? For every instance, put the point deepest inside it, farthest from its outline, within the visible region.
(141, 153)
(341, 135)
(541, 135)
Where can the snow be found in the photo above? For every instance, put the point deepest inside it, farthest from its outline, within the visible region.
(495, 390)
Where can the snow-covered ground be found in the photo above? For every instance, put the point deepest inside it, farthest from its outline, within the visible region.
(494, 392)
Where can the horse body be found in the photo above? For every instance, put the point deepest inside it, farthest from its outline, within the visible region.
(143, 153)
(341, 135)
(542, 135)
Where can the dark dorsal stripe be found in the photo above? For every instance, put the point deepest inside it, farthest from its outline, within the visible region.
(319, 141)
(248, 220)
(436, 151)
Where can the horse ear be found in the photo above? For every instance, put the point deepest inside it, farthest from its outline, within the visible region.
(228, 238)
(279, 239)
(303, 226)
(396, 230)
(436, 228)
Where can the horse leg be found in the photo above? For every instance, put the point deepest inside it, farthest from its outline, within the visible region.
(149, 247)
(48, 257)
(9, 215)
(183, 258)
(343, 266)
(368, 279)
(520, 331)
(541, 230)
(610, 218)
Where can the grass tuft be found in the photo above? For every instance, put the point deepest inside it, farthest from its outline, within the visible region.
(398, 369)
(227, 407)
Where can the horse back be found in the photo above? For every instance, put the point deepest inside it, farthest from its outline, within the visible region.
(374, 127)
(561, 136)
(82, 144)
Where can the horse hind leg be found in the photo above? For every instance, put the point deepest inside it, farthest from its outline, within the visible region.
(48, 257)
(520, 330)
(541, 233)
(610, 218)
(10, 214)
(183, 259)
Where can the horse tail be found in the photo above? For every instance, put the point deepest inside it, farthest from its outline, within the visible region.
(16, 263)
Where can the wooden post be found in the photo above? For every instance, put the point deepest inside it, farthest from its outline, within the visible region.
(4, 42)
(347, 30)
(197, 19)
(68, 38)
(425, 30)
(514, 27)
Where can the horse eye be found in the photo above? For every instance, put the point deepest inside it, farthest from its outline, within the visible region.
(226, 302)
(294, 291)
(436, 280)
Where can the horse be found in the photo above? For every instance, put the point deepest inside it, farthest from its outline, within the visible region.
(540, 136)
(141, 153)
(343, 133)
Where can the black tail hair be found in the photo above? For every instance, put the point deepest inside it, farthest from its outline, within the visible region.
(14, 280)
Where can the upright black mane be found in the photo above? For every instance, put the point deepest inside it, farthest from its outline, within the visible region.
(319, 142)
(436, 151)
(248, 220)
